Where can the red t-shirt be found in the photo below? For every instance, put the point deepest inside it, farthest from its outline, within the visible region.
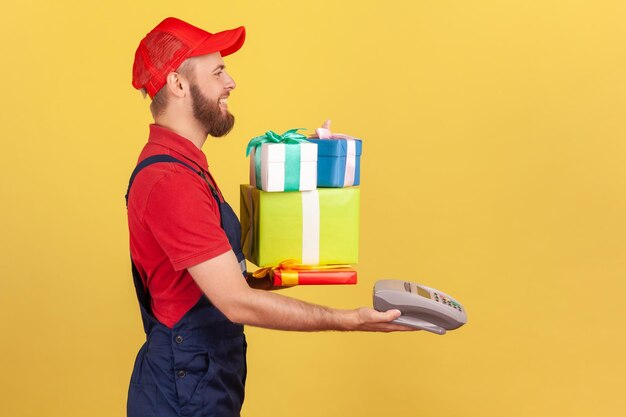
(174, 223)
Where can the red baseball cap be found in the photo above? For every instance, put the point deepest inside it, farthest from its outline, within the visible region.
(170, 43)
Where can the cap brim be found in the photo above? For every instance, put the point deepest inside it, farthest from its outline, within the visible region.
(226, 42)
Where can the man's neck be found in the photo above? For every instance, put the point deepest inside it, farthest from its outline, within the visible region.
(189, 129)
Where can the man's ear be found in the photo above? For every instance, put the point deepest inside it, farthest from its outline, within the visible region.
(176, 84)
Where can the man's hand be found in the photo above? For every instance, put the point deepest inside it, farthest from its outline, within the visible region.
(266, 283)
(370, 320)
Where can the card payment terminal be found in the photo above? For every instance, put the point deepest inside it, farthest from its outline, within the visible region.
(422, 307)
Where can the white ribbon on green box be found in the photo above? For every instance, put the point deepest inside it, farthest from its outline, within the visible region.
(310, 227)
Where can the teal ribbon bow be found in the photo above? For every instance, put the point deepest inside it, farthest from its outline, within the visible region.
(292, 155)
(290, 136)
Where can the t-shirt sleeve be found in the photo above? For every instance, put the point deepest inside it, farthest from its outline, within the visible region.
(184, 218)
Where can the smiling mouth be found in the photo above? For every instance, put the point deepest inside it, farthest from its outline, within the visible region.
(222, 101)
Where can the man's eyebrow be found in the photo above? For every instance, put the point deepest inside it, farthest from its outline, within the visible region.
(219, 68)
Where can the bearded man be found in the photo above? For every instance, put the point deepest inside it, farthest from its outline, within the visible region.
(188, 268)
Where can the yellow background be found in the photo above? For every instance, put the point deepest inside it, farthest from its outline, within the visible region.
(493, 169)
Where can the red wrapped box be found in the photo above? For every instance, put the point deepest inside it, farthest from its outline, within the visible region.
(290, 272)
(289, 277)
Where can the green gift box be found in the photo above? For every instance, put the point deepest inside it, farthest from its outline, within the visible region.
(318, 227)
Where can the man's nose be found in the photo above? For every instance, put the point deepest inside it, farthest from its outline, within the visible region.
(230, 83)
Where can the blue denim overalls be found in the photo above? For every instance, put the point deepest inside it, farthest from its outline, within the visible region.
(197, 368)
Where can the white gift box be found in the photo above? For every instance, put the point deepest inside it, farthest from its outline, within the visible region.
(284, 167)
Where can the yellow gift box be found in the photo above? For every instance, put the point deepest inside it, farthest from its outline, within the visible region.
(316, 227)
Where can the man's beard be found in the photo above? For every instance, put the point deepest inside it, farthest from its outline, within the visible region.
(209, 114)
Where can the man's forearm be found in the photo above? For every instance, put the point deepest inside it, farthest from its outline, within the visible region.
(274, 311)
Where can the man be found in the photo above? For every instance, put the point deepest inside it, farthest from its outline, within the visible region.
(188, 267)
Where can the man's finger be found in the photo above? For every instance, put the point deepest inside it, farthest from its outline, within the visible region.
(383, 316)
(392, 314)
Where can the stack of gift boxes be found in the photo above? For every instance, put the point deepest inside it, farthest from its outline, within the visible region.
(300, 212)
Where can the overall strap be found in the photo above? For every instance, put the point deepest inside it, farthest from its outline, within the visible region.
(142, 294)
(163, 158)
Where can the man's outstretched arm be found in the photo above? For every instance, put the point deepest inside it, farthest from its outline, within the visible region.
(220, 279)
